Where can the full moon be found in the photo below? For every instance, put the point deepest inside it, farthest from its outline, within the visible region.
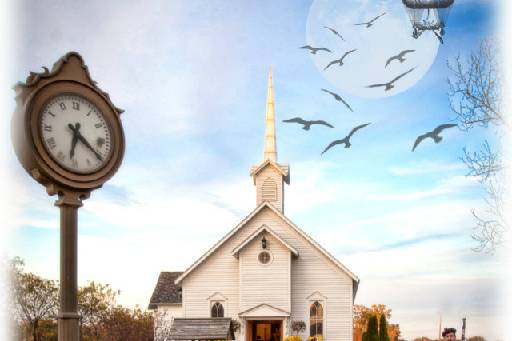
(388, 36)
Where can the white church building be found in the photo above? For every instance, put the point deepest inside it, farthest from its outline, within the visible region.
(261, 276)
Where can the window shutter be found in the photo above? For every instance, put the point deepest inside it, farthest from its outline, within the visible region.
(269, 190)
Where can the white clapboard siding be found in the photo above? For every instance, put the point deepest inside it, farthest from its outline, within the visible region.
(311, 272)
(265, 283)
(270, 173)
(170, 311)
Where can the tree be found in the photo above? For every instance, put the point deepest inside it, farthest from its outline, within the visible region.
(383, 328)
(394, 331)
(365, 336)
(362, 314)
(298, 327)
(162, 324)
(123, 324)
(36, 299)
(379, 310)
(95, 301)
(475, 99)
(373, 329)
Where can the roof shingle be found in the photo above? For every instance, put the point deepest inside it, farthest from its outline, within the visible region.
(165, 290)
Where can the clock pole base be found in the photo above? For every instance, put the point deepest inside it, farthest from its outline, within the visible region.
(68, 327)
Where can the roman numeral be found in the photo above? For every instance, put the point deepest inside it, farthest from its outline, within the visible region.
(98, 125)
(61, 156)
(51, 142)
(51, 114)
(75, 163)
(89, 113)
(47, 127)
(62, 106)
(76, 105)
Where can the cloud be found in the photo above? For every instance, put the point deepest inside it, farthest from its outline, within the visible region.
(425, 168)
(118, 194)
(417, 304)
(414, 241)
(453, 185)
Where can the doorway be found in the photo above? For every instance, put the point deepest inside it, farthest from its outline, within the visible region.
(265, 330)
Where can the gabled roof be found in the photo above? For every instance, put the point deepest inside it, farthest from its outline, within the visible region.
(283, 169)
(290, 223)
(264, 309)
(263, 228)
(166, 291)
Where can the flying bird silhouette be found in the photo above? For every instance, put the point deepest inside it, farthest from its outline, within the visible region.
(340, 61)
(346, 139)
(399, 57)
(370, 23)
(314, 50)
(335, 32)
(307, 124)
(338, 98)
(439, 36)
(434, 134)
(389, 85)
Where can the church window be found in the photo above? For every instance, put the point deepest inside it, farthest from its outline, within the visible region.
(264, 257)
(217, 310)
(269, 190)
(316, 320)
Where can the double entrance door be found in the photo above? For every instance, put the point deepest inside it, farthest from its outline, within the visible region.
(265, 330)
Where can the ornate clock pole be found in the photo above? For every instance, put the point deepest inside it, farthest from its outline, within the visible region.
(68, 136)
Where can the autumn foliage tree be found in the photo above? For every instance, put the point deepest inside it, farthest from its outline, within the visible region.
(372, 332)
(383, 328)
(123, 324)
(35, 299)
(35, 303)
(362, 314)
(95, 302)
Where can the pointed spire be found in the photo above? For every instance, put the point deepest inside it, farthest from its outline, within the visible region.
(270, 151)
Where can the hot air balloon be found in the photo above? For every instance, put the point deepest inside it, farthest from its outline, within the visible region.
(428, 15)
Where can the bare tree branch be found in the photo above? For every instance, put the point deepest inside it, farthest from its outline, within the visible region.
(475, 99)
(474, 88)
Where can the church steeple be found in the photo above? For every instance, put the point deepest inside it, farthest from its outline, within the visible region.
(270, 151)
(269, 176)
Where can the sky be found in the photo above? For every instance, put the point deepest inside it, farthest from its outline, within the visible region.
(192, 79)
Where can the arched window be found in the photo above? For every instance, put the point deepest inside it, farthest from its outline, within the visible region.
(316, 319)
(217, 310)
(269, 190)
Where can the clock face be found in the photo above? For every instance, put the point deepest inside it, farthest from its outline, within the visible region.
(75, 133)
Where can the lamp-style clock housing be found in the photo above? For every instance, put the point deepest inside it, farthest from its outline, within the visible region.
(66, 131)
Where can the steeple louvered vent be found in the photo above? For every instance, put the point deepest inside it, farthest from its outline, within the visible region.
(269, 190)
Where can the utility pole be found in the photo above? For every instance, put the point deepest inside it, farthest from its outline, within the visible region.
(463, 329)
(440, 322)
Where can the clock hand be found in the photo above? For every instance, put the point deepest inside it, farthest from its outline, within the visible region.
(73, 141)
(83, 140)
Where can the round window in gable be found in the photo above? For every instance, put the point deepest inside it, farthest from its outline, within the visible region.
(264, 257)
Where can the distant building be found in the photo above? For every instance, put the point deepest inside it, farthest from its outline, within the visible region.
(265, 273)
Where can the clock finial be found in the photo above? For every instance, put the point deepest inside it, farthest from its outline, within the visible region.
(270, 151)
